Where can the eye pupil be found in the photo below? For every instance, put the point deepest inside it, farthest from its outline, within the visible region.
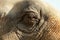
(35, 17)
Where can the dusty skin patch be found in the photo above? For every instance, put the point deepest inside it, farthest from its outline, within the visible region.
(13, 13)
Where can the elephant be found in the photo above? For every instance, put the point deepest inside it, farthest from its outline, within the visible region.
(29, 20)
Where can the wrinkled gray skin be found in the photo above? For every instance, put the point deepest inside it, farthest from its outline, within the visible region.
(25, 21)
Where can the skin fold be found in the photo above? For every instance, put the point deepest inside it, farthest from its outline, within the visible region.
(28, 20)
